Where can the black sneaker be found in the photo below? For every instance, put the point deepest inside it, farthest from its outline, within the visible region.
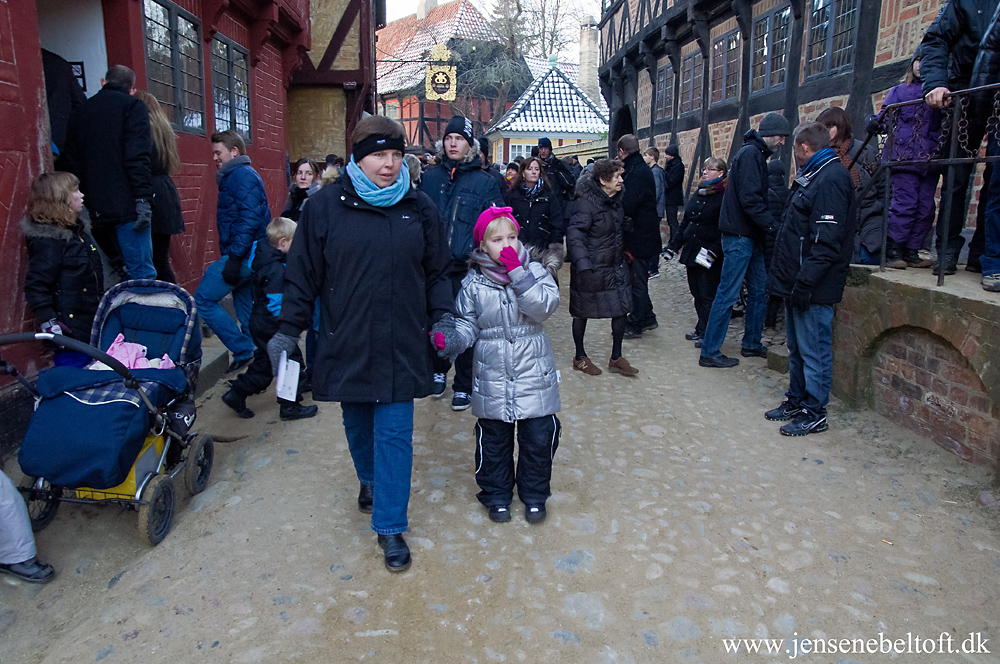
(786, 411)
(236, 365)
(632, 334)
(500, 513)
(439, 384)
(754, 352)
(296, 411)
(653, 274)
(805, 423)
(693, 336)
(720, 362)
(651, 326)
(237, 402)
(534, 513)
(950, 264)
(460, 401)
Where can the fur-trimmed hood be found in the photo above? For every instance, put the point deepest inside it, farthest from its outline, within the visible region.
(471, 155)
(34, 229)
(589, 188)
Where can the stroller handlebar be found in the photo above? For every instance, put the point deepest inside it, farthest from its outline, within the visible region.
(74, 345)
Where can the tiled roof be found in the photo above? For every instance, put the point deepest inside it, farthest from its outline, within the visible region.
(540, 67)
(411, 39)
(553, 103)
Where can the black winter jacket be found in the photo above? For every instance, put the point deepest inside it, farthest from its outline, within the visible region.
(63, 93)
(599, 282)
(639, 202)
(951, 43)
(460, 192)
(674, 175)
(381, 276)
(814, 245)
(540, 215)
(700, 228)
(986, 70)
(65, 277)
(108, 148)
(267, 286)
(777, 197)
(167, 218)
(560, 177)
(744, 207)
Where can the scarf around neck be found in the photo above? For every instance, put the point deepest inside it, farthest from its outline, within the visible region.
(532, 191)
(374, 195)
(821, 155)
(845, 159)
(712, 187)
(497, 271)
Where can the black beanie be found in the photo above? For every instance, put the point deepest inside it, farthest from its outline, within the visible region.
(484, 145)
(672, 151)
(544, 143)
(459, 125)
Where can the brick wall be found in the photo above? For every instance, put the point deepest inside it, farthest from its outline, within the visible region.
(923, 383)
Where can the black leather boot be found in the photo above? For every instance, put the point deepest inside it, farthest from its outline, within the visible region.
(365, 498)
(238, 402)
(295, 411)
(397, 554)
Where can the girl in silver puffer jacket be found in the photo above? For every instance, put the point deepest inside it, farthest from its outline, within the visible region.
(501, 307)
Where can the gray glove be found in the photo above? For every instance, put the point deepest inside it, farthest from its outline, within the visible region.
(143, 215)
(445, 330)
(279, 342)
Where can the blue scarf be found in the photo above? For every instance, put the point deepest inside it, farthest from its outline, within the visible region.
(372, 194)
(821, 155)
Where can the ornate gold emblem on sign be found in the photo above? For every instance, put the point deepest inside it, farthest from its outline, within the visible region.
(440, 83)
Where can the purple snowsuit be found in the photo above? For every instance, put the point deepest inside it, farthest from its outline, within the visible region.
(914, 137)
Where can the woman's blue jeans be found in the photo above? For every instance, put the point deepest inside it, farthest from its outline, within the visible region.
(380, 436)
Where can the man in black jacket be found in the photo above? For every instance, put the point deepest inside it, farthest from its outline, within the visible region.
(673, 196)
(949, 49)
(744, 222)
(812, 256)
(460, 190)
(562, 180)
(107, 147)
(642, 233)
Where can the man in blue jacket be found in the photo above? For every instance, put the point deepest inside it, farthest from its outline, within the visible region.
(460, 190)
(242, 215)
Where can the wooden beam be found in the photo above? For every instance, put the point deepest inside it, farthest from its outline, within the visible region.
(340, 34)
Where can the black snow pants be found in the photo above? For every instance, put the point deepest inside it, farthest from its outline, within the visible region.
(537, 439)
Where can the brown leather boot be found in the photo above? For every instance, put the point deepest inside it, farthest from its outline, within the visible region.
(622, 366)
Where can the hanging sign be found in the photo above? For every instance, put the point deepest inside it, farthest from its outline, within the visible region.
(440, 81)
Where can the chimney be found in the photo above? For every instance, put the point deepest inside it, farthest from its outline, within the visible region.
(423, 6)
(588, 59)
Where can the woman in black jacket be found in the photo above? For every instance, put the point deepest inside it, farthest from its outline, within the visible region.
(700, 242)
(163, 162)
(373, 250)
(305, 183)
(539, 211)
(65, 277)
(599, 283)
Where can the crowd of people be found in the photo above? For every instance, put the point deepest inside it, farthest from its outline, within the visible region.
(396, 266)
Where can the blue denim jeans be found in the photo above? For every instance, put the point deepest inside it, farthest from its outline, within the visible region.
(990, 259)
(211, 290)
(810, 358)
(380, 436)
(137, 251)
(742, 257)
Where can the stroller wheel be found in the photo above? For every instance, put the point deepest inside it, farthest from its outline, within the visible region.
(42, 502)
(156, 515)
(198, 465)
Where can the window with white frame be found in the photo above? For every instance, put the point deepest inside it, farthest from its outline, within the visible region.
(172, 39)
(770, 50)
(231, 86)
(726, 67)
(520, 150)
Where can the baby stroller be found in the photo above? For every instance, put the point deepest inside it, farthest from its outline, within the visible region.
(117, 435)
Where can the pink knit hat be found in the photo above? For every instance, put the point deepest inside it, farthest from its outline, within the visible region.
(488, 215)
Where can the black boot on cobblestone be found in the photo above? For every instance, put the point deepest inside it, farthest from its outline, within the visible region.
(365, 498)
(396, 552)
(237, 402)
(295, 411)
(804, 424)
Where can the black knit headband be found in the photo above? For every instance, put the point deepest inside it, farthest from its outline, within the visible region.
(376, 143)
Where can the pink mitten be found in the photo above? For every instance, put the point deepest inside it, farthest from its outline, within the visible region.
(508, 256)
(437, 339)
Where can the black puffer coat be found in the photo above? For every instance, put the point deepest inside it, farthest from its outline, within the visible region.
(381, 276)
(540, 215)
(951, 43)
(700, 228)
(65, 278)
(744, 207)
(814, 245)
(639, 202)
(599, 283)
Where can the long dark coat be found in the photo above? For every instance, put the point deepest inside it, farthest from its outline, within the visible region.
(599, 283)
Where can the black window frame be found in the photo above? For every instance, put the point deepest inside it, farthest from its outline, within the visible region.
(690, 89)
(177, 106)
(830, 38)
(726, 59)
(664, 103)
(763, 56)
(230, 75)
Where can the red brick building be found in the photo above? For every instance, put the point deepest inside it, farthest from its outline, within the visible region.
(213, 64)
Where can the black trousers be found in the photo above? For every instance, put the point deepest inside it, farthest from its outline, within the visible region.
(463, 363)
(671, 216)
(258, 375)
(642, 307)
(161, 258)
(537, 440)
(703, 284)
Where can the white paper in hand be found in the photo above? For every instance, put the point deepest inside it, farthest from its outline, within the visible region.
(287, 387)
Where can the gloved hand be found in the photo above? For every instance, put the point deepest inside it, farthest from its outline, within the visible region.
(509, 259)
(53, 326)
(872, 125)
(800, 297)
(143, 215)
(445, 338)
(279, 342)
(231, 271)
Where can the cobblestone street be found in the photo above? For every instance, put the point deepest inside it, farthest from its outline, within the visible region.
(679, 518)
